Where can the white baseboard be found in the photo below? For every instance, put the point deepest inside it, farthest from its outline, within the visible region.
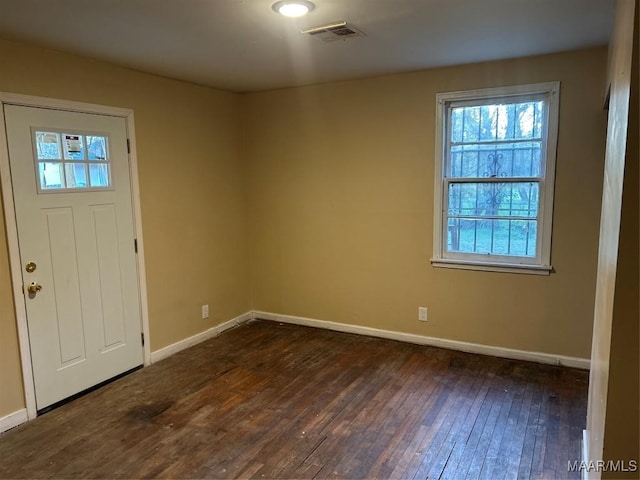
(169, 350)
(547, 358)
(13, 420)
(17, 418)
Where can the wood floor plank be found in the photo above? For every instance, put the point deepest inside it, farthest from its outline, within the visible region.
(406, 447)
(445, 445)
(529, 441)
(393, 418)
(510, 448)
(479, 459)
(267, 400)
(464, 434)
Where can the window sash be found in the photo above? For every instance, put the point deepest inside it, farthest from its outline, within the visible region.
(448, 143)
(446, 216)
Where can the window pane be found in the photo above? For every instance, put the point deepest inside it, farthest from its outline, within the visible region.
(520, 159)
(488, 127)
(50, 175)
(538, 119)
(529, 119)
(509, 199)
(96, 147)
(99, 175)
(470, 124)
(73, 147)
(456, 124)
(497, 237)
(497, 122)
(48, 146)
(76, 175)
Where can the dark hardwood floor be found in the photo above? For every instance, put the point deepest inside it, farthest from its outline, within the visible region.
(277, 401)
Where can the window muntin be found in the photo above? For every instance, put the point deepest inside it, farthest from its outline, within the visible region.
(496, 156)
(71, 161)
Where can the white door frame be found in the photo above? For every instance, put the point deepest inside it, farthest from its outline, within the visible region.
(12, 231)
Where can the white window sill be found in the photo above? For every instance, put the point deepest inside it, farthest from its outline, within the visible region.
(492, 267)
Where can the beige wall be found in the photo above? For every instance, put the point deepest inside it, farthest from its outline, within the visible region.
(192, 183)
(338, 183)
(341, 208)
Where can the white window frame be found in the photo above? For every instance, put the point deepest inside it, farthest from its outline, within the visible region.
(541, 263)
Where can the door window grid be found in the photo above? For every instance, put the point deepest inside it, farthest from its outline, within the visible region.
(71, 161)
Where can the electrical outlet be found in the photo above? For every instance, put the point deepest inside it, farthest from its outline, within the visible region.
(205, 311)
(422, 314)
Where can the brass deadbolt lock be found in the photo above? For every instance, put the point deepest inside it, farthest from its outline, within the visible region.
(34, 288)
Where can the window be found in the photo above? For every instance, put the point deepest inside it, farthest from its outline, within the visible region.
(495, 165)
(71, 161)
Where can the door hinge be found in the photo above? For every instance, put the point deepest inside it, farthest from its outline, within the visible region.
(135, 244)
(128, 146)
(142, 338)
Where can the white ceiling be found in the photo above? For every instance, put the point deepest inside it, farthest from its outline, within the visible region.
(242, 45)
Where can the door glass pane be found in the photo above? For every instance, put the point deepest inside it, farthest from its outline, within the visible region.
(73, 147)
(50, 175)
(99, 175)
(71, 160)
(76, 175)
(96, 147)
(48, 146)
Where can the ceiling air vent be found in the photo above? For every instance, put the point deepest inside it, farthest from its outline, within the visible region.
(334, 31)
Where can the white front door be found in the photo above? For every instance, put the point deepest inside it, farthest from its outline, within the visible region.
(72, 195)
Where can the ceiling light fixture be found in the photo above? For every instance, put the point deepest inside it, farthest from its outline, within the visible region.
(293, 8)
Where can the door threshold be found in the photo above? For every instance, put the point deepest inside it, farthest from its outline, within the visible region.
(64, 401)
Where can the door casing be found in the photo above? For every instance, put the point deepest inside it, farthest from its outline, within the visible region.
(12, 232)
